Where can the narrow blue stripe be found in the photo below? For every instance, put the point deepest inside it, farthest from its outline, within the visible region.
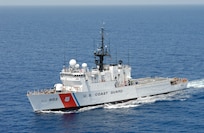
(76, 99)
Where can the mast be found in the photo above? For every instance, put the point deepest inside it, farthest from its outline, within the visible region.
(101, 52)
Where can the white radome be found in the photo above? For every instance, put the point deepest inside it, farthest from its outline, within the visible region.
(84, 65)
(72, 62)
(77, 66)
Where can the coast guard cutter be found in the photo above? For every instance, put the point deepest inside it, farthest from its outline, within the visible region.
(107, 83)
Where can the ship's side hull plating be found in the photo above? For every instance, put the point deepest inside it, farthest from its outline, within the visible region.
(70, 100)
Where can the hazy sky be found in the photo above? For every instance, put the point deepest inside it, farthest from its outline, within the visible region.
(98, 2)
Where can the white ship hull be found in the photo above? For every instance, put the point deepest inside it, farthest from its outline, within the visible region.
(70, 100)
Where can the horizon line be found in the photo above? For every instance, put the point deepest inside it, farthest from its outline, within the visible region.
(172, 4)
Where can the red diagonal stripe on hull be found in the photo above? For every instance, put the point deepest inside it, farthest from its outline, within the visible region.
(67, 100)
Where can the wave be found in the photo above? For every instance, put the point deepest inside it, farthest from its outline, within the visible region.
(196, 84)
(72, 111)
(55, 112)
(179, 95)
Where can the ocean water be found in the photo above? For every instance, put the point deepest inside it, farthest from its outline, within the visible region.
(168, 41)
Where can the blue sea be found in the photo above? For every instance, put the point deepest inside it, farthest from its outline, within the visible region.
(167, 41)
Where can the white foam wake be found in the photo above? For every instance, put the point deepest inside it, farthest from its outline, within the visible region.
(55, 112)
(73, 111)
(180, 95)
(196, 84)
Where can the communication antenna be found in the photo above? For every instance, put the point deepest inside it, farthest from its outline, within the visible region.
(116, 54)
(76, 53)
(109, 50)
(128, 56)
(64, 58)
(94, 47)
(101, 52)
(64, 55)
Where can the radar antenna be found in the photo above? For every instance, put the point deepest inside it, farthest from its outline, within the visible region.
(100, 52)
